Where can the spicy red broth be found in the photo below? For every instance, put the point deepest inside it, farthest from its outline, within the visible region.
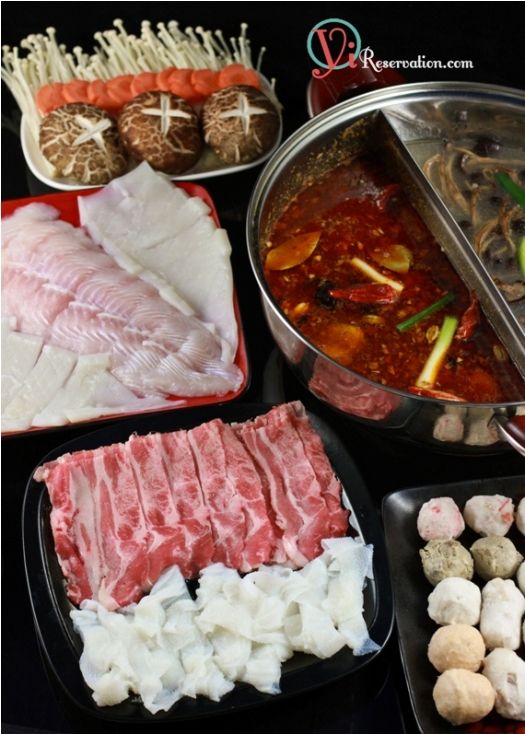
(354, 215)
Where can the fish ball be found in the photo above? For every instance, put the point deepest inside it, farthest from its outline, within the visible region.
(495, 556)
(489, 514)
(444, 558)
(506, 671)
(440, 519)
(456, 646)
(502, 608)
(455, 601)
(462, 696)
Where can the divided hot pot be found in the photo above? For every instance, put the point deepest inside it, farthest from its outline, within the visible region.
(434, 140)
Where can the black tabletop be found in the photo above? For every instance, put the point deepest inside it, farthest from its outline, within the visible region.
(492, 38)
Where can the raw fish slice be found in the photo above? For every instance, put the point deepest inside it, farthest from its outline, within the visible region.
(143, 182)
(19, 356)
(66, 267)
(141, 306)
(144, 366)
(147, 202)
(44, 249)
(35, 231)
(47, 376)
(24, 217)
(111, 397)
(173, 373)
(90, 392)
(181, 252)
(208, 290)
(20, 288)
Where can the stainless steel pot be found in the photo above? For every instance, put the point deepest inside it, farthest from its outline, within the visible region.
(421, 111)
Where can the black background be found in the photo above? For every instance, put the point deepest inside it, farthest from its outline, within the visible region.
(491, 35)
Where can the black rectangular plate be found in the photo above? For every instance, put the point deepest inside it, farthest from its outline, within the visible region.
(62, 646)
(411, 588)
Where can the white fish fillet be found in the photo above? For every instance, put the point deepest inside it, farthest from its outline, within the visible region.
(18, 359)
(81, 301)
(51, 370)
(179, 251)
(90, 392)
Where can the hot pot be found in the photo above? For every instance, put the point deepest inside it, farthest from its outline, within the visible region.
(421, 114)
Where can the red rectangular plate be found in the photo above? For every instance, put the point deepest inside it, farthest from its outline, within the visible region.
(66, 203)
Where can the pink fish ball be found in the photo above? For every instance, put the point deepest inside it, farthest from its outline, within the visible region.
(440, 519)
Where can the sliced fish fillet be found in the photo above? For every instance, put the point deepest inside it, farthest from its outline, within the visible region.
(90, 392)
(89, 305)
(19, 356)
(51, 370)
(180, 251)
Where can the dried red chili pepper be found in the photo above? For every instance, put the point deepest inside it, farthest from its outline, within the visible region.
(469, 320)
(428, 392)
(371, 293)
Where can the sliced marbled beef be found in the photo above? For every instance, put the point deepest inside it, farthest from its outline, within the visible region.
(244, 495)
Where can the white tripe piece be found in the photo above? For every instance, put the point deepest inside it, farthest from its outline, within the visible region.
(349, 567)
(156, 231)
(237, 629)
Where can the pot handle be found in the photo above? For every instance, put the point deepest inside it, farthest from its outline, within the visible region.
(512, 430)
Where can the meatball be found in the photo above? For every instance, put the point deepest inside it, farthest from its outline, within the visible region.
(440, 519)
(502, 608)
(489, 514)
(506, 671)
(455, 601)
(444, 558)
(456, 646)
(495, 556)
(462, 696)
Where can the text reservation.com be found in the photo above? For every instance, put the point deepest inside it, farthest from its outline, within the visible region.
(421, 62)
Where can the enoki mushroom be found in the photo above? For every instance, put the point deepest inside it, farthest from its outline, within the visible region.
(41, 60)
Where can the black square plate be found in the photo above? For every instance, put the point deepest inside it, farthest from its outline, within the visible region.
(62, 646)
(411, 589)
